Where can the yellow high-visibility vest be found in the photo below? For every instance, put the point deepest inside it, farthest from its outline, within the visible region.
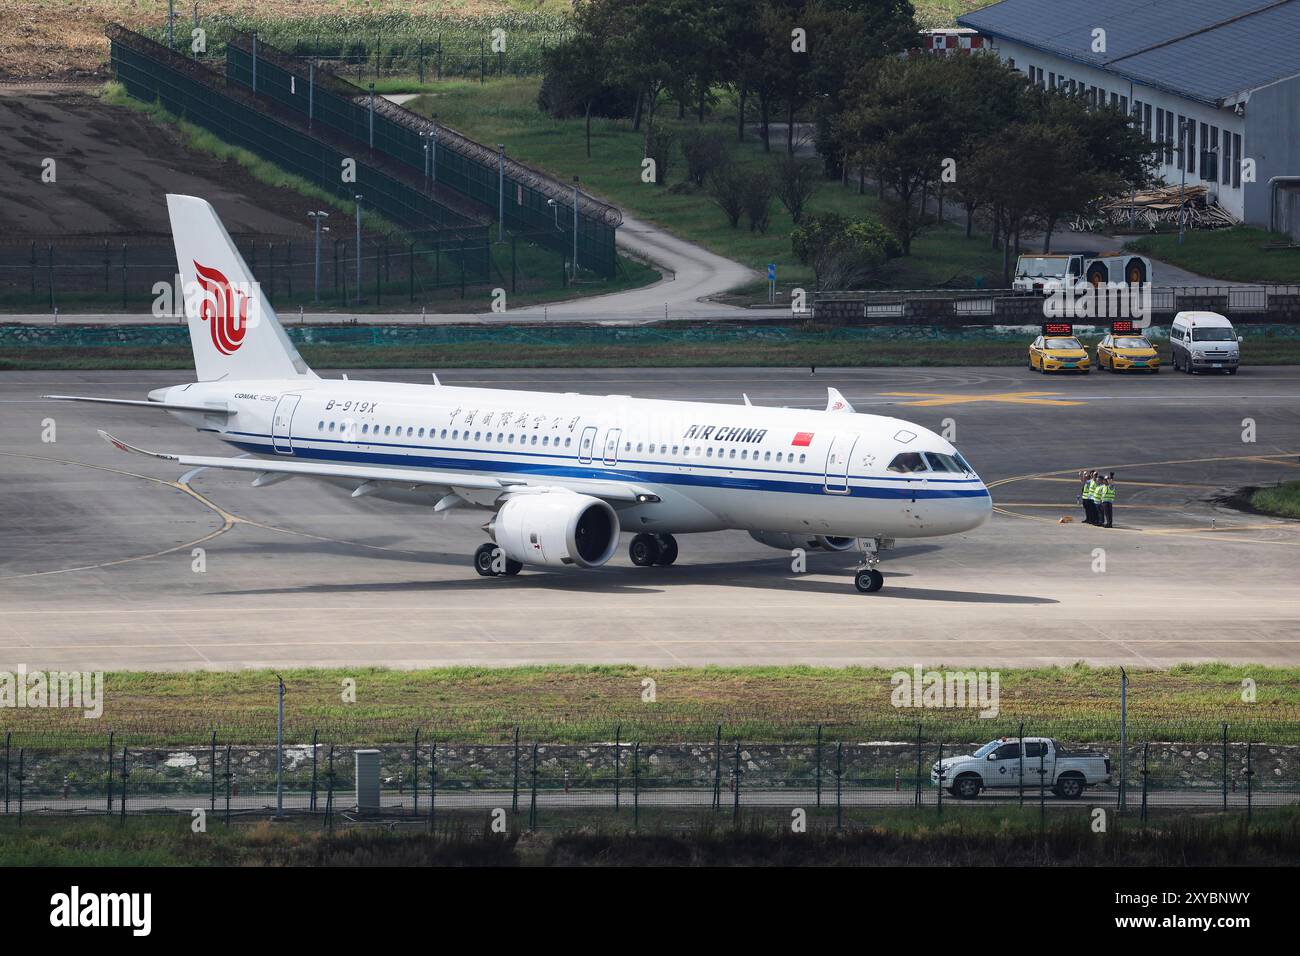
(1107, 493)
(1090, 490)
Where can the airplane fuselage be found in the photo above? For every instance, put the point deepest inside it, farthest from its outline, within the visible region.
(710, 466)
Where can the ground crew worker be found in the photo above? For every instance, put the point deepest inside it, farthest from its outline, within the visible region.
(1085, 496)
(1106, 498)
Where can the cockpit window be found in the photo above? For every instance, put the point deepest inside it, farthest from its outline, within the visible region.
(908, 461)
(940, 462)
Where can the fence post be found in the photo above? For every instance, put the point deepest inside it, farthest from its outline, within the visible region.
(313, 770)
(636, 785)
(514, 270)
(1250, 772)
(839, 785)
(735, 802)
(125, 774)
(717, 770)
(108, 768)
(433, 782)
(482, 61)
(421, 62)
(107, 265)
(8, 740)
(532, 802)
(514, 797)
(329, 791)
(415, 773)
(410, 273)
(618, 736)
(921, 764)
(462, 268)
(212, 774)
(1145, 748)
(819, 765)
(1022, 763)
(49, 270)
(1042, 794)
(32, 262)
(22, 775)
(1225, 766)
(1122, 795)
(124, 275)
(939, 791)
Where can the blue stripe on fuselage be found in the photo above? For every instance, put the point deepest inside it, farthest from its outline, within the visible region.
(614, 472)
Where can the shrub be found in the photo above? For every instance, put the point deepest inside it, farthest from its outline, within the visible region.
(843, 252)
(659, 146)
(758, 201)
(795, 181)
(704, 151)
(727, 188)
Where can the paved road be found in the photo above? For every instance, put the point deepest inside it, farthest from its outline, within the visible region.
(96, 547)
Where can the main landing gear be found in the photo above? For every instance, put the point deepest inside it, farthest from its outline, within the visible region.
(490, 561)
(648, 549)
(867, 579)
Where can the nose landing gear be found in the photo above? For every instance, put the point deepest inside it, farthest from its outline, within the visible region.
(866, 578)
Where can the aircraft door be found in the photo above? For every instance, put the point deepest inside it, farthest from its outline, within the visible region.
(586, 443)
(611, 445)
(837, 464)
(281, 437)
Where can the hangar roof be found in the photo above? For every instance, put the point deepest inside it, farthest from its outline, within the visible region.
(1207, 50)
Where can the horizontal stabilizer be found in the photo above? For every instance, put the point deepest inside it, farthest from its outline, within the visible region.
(140, 403)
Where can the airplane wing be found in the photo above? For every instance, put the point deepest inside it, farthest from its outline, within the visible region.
(141, 403)
(367, 476)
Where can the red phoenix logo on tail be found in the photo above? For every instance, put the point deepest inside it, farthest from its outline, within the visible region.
(224, 309)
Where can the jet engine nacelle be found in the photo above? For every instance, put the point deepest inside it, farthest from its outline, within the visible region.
(556, 529)
(788, 542)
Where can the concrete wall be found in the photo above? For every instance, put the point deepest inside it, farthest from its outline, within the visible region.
(1231, 198)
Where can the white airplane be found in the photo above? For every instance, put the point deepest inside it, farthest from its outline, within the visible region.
(562, 475)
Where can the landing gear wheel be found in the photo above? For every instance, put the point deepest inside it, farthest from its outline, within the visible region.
(484, 558)
(667, 550)
(644, 550)
(868, 581)
(513, 567)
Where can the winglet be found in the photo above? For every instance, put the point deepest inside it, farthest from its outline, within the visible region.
(835, 402)
(746, 398)
(123, 446)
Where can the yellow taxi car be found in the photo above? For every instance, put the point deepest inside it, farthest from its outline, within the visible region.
(1058, 353)
(1126, 353)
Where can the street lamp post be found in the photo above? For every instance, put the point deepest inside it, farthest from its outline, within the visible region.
(358, 199)
(501, 192)
(317, 217)
(1182, 193)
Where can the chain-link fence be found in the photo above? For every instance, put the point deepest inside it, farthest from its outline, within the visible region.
(524, 199)
(563, 783)
(398, 270)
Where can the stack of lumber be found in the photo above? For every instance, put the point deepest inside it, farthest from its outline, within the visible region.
(1159, 207)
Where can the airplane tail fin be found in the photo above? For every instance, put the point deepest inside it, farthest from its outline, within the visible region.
(233, 329)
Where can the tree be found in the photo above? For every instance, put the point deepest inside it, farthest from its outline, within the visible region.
(659, 141)
(897, 124)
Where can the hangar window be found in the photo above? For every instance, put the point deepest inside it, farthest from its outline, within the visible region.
(908, 461)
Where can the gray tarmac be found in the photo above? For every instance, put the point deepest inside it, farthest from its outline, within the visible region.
(97, 565)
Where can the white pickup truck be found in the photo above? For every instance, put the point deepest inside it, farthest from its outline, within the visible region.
(1072, 271)
(1000, 765)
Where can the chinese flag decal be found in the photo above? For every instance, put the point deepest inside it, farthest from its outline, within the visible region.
(802, 438)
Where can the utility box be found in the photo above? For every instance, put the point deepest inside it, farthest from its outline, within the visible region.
(367, 782)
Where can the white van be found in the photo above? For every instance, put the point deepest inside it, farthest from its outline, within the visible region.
(1204, 341)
